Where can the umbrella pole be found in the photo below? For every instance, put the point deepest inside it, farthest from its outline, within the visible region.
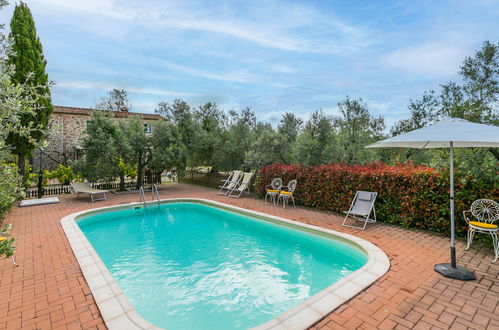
(452, 223)
(452, 270)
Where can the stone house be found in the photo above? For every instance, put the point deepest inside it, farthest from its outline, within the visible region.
(67, 129)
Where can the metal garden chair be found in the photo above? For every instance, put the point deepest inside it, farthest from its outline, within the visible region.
(486, 213)
(287, 193)
(273, 190)
(361, 208)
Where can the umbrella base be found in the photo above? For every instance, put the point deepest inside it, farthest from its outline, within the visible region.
(458, 273)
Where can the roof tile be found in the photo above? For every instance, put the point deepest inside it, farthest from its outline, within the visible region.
(117, 114)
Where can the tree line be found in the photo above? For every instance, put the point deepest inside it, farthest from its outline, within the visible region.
(207, 136)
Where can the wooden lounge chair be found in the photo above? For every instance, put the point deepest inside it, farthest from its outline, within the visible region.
(242, 187)
(361, 208)
(231, 182)
(486, 214)
(85, 188)
(286, 193)
(273, 190)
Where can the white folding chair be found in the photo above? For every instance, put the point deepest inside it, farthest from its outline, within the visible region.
(242, 187)
(231, 182)
(361, 208)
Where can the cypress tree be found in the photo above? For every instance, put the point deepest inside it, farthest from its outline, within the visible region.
(29, 62)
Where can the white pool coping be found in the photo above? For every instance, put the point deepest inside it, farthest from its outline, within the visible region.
(118, 313)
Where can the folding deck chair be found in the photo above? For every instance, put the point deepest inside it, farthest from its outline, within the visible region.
(242, 187)
(231, 182)
(360, 209)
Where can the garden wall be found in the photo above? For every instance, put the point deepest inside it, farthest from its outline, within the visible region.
(412, 196)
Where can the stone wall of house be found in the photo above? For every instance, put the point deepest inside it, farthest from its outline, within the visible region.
(65, 132)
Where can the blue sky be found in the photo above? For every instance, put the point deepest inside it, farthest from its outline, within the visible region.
(272, 55)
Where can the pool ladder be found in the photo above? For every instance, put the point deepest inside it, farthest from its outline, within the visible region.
(154, 192)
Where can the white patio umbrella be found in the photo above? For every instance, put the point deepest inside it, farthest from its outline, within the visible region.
(448, 133)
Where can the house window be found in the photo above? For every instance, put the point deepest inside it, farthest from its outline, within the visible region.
(147, 128)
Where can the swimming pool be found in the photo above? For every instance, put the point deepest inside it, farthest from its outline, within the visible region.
(196, 264)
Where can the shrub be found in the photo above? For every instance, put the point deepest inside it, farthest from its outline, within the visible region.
(11, 187)
(412, 196)
(6, 248)
(128, 169)
(63, 174)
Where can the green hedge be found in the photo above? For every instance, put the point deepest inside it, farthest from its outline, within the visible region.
(412, 196)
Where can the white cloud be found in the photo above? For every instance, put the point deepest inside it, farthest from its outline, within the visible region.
(283, 68)
(240, 77)
(97, 7)
(430, 60)
(108, 87)
(278, 25)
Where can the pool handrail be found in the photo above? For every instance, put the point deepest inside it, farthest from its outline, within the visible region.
(155, 193)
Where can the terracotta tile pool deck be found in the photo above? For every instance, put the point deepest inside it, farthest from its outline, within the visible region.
(48, 290)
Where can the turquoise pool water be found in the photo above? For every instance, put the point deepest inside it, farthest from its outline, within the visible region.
(187, 265)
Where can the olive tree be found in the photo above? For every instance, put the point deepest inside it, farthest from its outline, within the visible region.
(167, 149)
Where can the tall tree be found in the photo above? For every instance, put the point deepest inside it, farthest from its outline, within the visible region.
(124, 155)
(167, 150)
(209, 119)
(288, 129)
(29, 63)
(357, 128)
(481, 85)
(140, 146)
(316, 144)
(17, 101)
(235, 140)
(180, 114)
(265, 147)
(476, 99)
(101, 157)
(116, 100)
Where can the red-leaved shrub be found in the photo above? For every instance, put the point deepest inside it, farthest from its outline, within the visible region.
(413, 196)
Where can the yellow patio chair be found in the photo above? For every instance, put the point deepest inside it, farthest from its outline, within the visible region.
(486, 213)
(287, 193)
(273, 190)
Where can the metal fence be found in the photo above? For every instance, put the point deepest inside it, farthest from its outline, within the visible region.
(48, 191)
(201, 178)
(61, 190)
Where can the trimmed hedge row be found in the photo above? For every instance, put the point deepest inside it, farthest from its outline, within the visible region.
(412, 196)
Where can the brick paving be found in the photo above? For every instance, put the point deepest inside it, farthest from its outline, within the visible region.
(48, 290)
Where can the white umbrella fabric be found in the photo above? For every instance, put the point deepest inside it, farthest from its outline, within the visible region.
(450, 133)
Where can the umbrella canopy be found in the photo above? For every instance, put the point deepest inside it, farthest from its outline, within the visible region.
(448, 133)
(439, 135)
